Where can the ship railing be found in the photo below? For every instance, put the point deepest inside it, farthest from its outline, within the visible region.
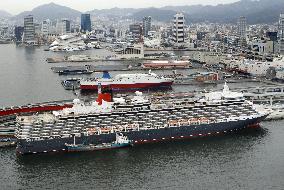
(243, 118)
(156, 126)
(173, 123)
(77, 134)
(131, 127)
(231, 119)
(36, 139)
(94, 133)
(185, 122)
(114, 129)
(66, 135)
(221, 120)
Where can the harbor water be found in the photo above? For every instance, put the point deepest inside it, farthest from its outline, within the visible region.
(252, 159)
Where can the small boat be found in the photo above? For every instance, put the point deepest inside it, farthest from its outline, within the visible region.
(8, 142)
(120, 142)
(71, 83)
(78, 72)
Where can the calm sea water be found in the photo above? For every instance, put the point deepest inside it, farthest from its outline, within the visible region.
(249, 160)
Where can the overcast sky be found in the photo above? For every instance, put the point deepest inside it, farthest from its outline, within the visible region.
(17, 6)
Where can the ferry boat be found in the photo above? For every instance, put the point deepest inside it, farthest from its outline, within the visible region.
(120, 142)
(141, 120)
(128, 82)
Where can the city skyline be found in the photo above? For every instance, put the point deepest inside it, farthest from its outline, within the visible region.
(87, 5)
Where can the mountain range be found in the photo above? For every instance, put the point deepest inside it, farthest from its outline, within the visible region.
(256, 11)
(4, 14)
(50, 11)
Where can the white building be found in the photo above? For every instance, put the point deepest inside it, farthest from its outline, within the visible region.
(178, 29)
(263, 47)
(152, 43)
(208, 57)
(255, 68)
(135, 51)
(45, 27)
(63, 26)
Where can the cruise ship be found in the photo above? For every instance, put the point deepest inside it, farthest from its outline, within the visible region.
(140, 119)
(120, 82)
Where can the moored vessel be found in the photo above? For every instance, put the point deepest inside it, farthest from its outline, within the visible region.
(122, 82)
(120, 142)
(141, 120)
(7, 142)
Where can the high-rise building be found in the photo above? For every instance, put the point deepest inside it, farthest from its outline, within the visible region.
(178, 28)
(242, 30)
(45, 27)
(147, 23)
(135, 29)
(86, 25)
(281, 34)
(29, 30)
(66, 25)
(272, 36)
(19, 31)
(37, 27)
(63, 26)
(242, 27)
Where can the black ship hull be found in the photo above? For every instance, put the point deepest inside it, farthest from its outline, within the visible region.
(139, 137)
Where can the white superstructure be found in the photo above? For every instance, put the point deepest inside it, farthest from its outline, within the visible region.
(137, 80)
(226, 94)
(80, 108)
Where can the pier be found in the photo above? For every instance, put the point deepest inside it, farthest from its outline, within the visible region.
(95, 59)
